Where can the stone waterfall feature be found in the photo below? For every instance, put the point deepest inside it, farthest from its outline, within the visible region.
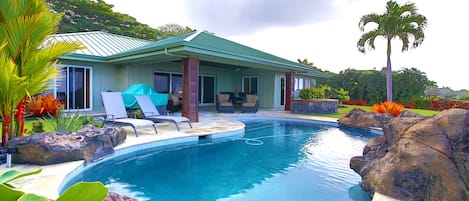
(417, 158)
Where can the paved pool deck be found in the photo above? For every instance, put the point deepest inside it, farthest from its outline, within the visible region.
(47, 183)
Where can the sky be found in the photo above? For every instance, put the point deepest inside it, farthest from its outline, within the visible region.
(323, 31)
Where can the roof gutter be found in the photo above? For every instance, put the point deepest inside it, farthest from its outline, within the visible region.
(174, 55)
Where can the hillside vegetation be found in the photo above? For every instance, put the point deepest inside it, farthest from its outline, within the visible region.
(88, 15)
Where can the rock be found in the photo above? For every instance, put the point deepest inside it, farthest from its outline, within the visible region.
(89, 144)
(419, 158)
(116, 197)
(362, 119)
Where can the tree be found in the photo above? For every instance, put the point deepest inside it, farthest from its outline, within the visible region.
(401, 22)
(411, 84)
(27, 60)
(169, 30)
(97, 15)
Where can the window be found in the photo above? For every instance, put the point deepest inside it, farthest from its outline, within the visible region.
(301, 83)
(74, 88)
(250, 84)
(168, 83)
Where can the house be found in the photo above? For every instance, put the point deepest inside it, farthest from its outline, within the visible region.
(196, 65)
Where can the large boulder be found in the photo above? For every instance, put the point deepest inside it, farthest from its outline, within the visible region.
(361, 119)
(89, 144)
(419, 158)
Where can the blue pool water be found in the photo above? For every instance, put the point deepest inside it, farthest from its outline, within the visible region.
(275, 160)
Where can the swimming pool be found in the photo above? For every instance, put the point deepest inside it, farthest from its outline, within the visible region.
(275, 160)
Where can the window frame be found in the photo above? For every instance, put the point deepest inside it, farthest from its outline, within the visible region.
(67, 80)
(250, 83)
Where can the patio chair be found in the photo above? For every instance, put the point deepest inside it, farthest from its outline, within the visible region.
(224, 103)
(116, 113)
(251, 104)
(150, 112)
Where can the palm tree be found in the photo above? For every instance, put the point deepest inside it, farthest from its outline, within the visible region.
(305, 62)
(402, 22)
(27, 62)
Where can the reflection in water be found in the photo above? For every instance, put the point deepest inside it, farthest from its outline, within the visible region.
(276, 160)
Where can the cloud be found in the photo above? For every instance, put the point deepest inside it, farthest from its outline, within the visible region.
(232, 17)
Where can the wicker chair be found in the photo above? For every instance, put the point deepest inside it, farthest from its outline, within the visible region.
(251, 104)
(224, 103)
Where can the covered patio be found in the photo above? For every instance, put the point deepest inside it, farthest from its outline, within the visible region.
(196, 66)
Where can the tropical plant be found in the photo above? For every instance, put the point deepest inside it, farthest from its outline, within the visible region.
(327, 90)
(402, 22)
(388, 107)
(65, 122)
(12, 175)
(44, 104)
(86, 191)
(342, 94)
(27, 58)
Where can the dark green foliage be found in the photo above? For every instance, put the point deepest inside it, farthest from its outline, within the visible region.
(88, 15)
(408, 83)
(308, 93)
(370, 85)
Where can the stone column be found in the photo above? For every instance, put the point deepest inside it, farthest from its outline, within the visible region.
(190, 89)
(289, 84)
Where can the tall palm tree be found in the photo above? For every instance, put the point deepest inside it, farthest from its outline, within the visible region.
(27, 62)
(401, 22)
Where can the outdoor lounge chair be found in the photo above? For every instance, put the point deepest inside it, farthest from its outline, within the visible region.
(116, 113)
(224, 103)
(150, 112)
(251, 104)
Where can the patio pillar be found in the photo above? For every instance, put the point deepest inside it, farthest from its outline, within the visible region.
(289, 80)
(190, 94)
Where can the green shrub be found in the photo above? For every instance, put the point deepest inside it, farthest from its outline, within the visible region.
(308, 93)
(327, 90)
(465, 97)
(422, 102)
(38, 127)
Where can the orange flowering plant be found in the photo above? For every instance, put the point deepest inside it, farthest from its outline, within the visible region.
(44, 104)
(388, 107)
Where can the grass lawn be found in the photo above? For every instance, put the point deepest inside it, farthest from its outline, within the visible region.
(348, 108)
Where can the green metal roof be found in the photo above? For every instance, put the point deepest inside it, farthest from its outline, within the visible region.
(203, 45)
(100, 44)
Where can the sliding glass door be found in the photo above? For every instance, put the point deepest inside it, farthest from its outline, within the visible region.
(166, 82)
(74, 88)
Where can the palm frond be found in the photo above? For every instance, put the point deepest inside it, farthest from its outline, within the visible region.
(368, 19)
(367, 39)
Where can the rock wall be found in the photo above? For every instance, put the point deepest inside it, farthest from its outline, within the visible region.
(89, 144)
(418, 158)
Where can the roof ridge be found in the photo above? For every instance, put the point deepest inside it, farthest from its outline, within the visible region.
(248, 47)
(192, 36)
